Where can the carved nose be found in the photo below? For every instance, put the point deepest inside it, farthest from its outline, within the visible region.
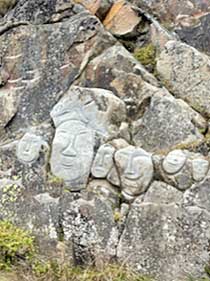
(70, 150)
(129, 168)
(27, 148)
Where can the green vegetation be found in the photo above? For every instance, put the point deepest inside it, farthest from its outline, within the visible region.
(20, 262)
(56, 272)
(146, 56)
(5, 5)
(15, 244)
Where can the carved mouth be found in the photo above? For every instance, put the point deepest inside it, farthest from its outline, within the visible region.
(68, 165)
(131, 176)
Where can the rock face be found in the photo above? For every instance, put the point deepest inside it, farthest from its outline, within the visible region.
(97, 152)
(165, 240)
(186, 72)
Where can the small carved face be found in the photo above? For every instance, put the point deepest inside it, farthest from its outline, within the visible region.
(103, 161)
(174, 162)
(200, 169)
(136, 169)
(72, 151)
(28, 148)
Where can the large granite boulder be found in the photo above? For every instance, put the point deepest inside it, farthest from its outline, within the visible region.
(40, 66)
(166, 241)
(164, 124)
(90, 227)
(185, 72)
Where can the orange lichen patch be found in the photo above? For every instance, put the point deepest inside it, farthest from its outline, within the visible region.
(121, 19)
(113, 12)
(91, 5)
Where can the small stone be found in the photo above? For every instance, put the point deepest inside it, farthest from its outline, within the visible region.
(174, 161)
(200, 169)
(122, 19)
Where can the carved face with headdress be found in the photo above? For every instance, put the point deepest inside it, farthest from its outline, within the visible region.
(73, 144)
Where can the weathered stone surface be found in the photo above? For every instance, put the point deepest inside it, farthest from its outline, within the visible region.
(122, 20)
(40, 11)
(196, 32)
(198, 195)
(8, 105)
(135, 168)
(105, 191)
(103, 71)
(91, 228)
(165, 123)
(41, 68)
(186, 73)
(167, 11)
(162, 193)
(167, 241)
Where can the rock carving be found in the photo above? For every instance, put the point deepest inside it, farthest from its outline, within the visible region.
(136, 169)
(174, 162)
(103, 161)
(29, 147)
(73, 145)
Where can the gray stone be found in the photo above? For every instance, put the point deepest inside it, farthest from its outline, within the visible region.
(162, 193)
(45, 61)
(185, 71)
(168, 242)
(198, 195)
(8, 105)
(135, 168)
(103, 161)
(174, 161)
(105, 191)
(91, 228)
(196, 32)
(165, 123)
(113, 177)
(200, 169)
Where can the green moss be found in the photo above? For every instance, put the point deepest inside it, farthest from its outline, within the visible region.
(146, 56)
(54, 271)
(15, 244)
(117, 216)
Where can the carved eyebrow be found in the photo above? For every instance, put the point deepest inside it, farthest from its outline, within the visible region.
(62, 131)
(83, 132)
(133, 155)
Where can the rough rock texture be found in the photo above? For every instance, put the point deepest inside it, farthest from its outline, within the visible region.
(185, 71)
(96, 151)
(165, 240)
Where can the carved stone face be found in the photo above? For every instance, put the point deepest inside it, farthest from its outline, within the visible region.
(103, 161)
(28, 148)
(72, 152)
(200, 169)
(136, 169)
(174, 162)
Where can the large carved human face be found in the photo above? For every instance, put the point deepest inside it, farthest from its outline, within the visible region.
(72, 152)
(103, 161)
(28, 148)
(136, 169)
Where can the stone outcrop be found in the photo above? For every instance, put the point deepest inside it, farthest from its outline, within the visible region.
(95, 150)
